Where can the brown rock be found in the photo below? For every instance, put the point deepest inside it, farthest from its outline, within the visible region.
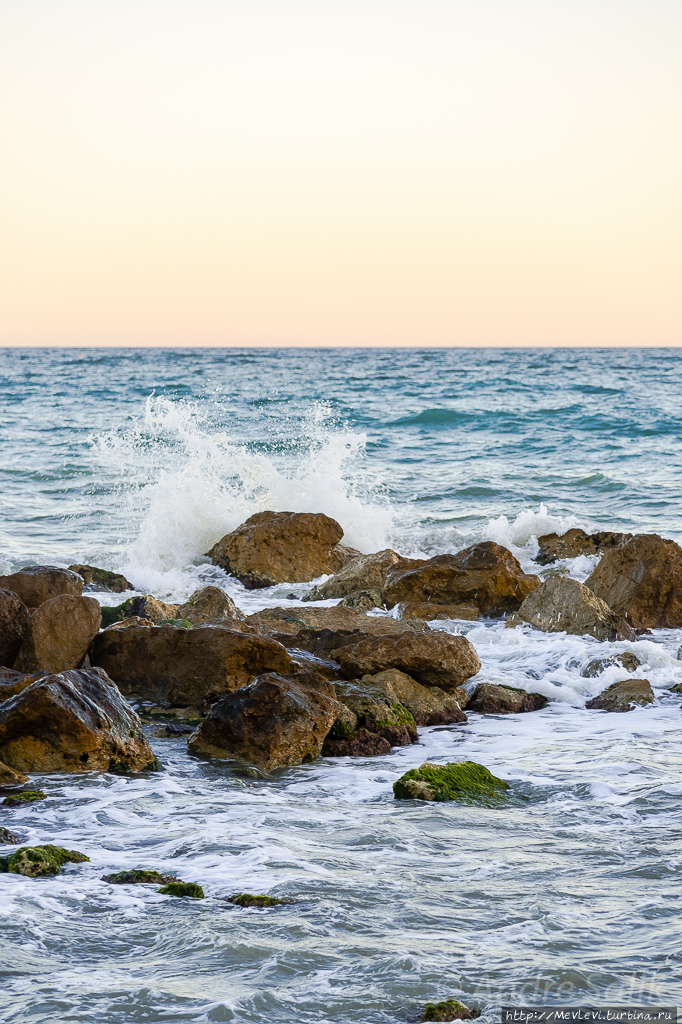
(13, 682)
(577, 542)
(14, 625)
(364, 600)
(429, 705)
(484, 575)
(433, 659)
(102, 579)
(35, 584)
(623, 696)
(378, 713)
(209, 604)
(642, 582)
(627, 660)
(273, 722)
(9, 779)
(72, 722)
(360, 743)
(366, 572)
(427, 612)
(281, 547)
(489, 699)
(149, 607)
(62, 629)
(171, 665)
(338, 618)
(562, 605)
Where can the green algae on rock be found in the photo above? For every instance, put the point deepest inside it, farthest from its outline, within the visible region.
(191, 889)
(39, 861)
(23, 798)
(183, 623)
(464, 781)
(451, 1009)
(246, 899)
(140, 876)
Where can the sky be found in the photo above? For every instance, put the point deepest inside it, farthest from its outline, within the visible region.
(340, 172)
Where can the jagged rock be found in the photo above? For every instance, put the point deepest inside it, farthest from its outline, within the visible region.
(429, 705)
(364, 573)
(364, 600)
(174, 666)
(13, 682)
(15, 623)
(101, 579)
(11, 779)
(72, 722)
(450, 1009)
(627, 660)
(61, 631)
(35, 584)
(577, 542)
(428, 612)
(41, 861)
(7, 838)
(274, 722)
(282, 547)
(378, 714)
(642, 582)
(304, 661)
(210, 604)
(623, 696)
(465, 781)
(484, 575)
(489, 699)
(433, 658)
(561, 605)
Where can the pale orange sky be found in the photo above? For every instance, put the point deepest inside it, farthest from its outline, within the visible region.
(330, 172)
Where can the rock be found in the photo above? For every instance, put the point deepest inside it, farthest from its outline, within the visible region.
(27, 797)
(8, 838)
(428, 612)
(171, 731)
(180, 623)
(484, 575)
(433, 658)
(465, 781)
(139, 876)
(364, 573)
(429, 705)
(281, 547)
(358, 743)
(489, 699)
(378, 714)
(623, 696)
(190, 889)
(246, 899)
(642, 582)
(14, 625)
(364, 600)
(210, 604)
(13, 682)
(273, 722)
(273, 621)
(101, 579)
(61, 631)
(627, 660)
(451, 1009)
(9, 779)
(72, 722)
(41, 861)
(304, 661)
(145, 606)
(179, 667)
(577, 542)
(35, 584)
(559, 570)
(562, 605)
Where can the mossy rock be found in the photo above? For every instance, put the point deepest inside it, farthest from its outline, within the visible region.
(191, 889)
(102, 579)
(451, 1009)
(464, 781)
(117, 613)
(123, 766)
(184, 623)
(8, 838)
(247, 899)
(29, 797)
(140, 876)
(39, 861)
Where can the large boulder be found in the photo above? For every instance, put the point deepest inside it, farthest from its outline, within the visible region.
(14, 625)
(102, 579)
(642, 582)
(623, 696)
(61, 632)
(490, 699)
(182, 667)
(72, 722)
(562, 605)
(209, 604)
(35, 584)
(553, 546)
(429, 705)
(484, 575)
(273, 722)
(364, 573)
(433, 659)
(282, 547)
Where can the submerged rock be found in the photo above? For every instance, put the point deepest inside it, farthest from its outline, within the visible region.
(451, 1009)
(642, 582)
(10, 779)
(60, 633)
(432, 658)
(627, 660)
(577, 542)
(429, 705)
(282, 547)
(464, 781)
(246, 899)
(101, 579)
(35, 584)
(29, 796)
(623, 696)
(210, 604)
(8, 838)
(562, 605)
(41, 861)
(139, 876)
(189, 889)
(364, 573)
(489, 699)
(15, 622)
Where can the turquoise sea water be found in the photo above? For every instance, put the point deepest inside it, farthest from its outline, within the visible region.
(139, 460)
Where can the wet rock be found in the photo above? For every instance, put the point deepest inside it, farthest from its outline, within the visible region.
(13, 682)
(562, 605)
(364, 600)
(210, 604)
(282, 547)
(627, 660)
(364, 573)
(10, 779)
(247, 899)
(171, 731)
(144, 606)
(464, 781)
(139, 876)
(548, 574)
(379, 714)
(101, 579)
(72, 722)
(489, 699)
(576, 542)
(15, 623)
(451, 1009)
(132, 620)
(429, 705)
(623, 696)
(27, 797)
(484, 575)
(304, 661)
(189, 889)
(293, 620)
(429, 612)
(180, 623)
(357, 743)
(35, 584)
(42, 861)
(178, 667)
(275, 721)
(642, 582)
(8, 838)
(61, 631)
(432, 659)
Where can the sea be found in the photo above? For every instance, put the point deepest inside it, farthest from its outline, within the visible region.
(138, 460)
